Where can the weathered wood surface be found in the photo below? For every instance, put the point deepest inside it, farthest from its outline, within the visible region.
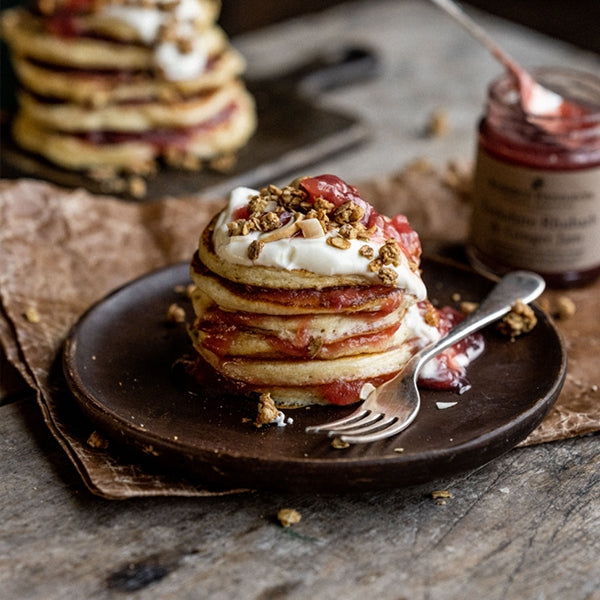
(526, 526)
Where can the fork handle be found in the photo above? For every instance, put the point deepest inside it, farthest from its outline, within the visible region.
(517, 285)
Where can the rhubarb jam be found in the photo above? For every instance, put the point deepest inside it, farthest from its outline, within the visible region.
(536, 189)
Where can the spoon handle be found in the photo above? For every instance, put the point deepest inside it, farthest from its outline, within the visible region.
(479, 34)
(517, 285)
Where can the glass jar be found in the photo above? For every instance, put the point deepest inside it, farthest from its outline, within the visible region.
(536, 192)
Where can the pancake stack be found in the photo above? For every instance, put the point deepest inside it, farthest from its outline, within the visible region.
(117, 86)
(306, 293)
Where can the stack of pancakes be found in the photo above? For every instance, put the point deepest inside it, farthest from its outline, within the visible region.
(308, 294)
(113, 86)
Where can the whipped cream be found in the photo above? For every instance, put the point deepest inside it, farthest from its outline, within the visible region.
(310, 254)
(148, 19)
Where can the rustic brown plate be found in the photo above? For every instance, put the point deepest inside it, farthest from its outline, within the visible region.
(119, 363)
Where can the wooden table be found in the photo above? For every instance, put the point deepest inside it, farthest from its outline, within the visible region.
(526, 526)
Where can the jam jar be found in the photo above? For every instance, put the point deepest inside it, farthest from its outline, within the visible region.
(536, 190)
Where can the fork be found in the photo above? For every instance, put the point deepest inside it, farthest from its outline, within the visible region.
(393, 406)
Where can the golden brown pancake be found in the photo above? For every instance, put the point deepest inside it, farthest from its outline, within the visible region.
(113, 88)
(305, 336)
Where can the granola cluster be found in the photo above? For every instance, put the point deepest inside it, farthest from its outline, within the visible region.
(282, 213)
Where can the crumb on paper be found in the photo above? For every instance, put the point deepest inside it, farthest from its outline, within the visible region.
(561, 308)
(521, 319)
(338, 444)
(439, 123)
(175, 314)
(288, 516)
(96, 440)
(32, 315)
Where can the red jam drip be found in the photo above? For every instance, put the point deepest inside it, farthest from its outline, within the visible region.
(335, 190)
(450, 373)
(222, 329)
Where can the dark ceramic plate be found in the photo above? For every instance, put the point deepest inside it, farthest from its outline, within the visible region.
(119, 363)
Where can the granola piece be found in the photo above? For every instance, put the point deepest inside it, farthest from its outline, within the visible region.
(339, 242)
(266, 412)
(387, 275)
(269, 221)
(255, 248)
(390, 253)
(348, 213)
(288, 516)
(367, 252)
(521, 319)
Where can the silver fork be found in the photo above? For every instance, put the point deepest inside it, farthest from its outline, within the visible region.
(393, 406)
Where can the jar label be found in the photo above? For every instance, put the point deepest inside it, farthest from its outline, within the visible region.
(546, 221)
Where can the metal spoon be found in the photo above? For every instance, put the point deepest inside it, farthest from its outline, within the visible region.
(535, 99)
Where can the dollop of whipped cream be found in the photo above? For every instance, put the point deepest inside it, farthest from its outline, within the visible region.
(168, 25)
(314, 254)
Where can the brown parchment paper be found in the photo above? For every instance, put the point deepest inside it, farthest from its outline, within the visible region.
(61, 251)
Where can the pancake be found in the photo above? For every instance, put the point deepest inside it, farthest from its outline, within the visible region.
(131, 117)
(307, 315)
(116, 88)
(139, 152)
(93, 88)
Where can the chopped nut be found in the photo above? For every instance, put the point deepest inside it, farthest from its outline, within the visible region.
(288, 516)
(255, 248)
(339, 242)
(312, 228)
(175, 314)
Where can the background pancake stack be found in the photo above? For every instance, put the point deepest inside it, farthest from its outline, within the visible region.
(116, 88)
